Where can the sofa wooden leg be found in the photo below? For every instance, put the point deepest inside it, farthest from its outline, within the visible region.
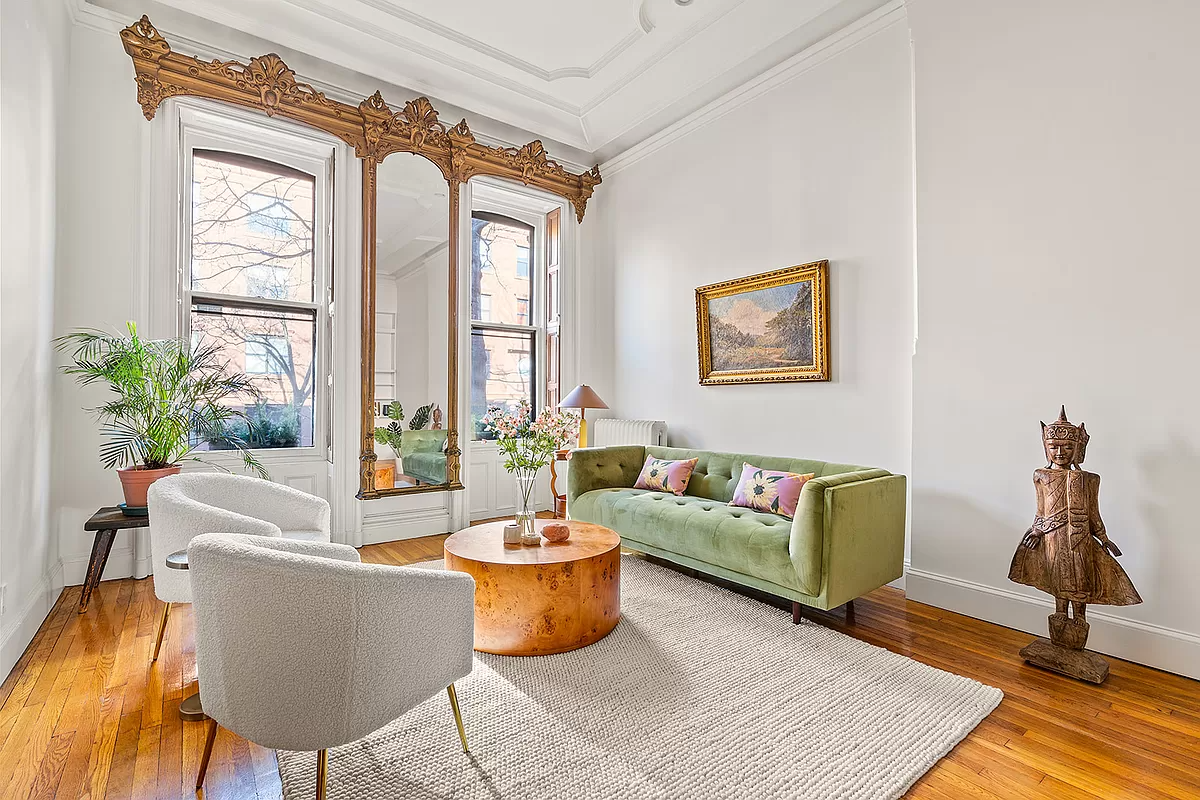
(796, 616)
(850, 612)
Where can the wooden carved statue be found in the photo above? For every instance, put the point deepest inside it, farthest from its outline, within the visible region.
(1067, 553)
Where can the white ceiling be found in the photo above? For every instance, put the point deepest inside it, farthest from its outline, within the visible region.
(596, 75)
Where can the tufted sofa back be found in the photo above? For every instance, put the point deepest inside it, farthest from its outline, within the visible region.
(716, 474)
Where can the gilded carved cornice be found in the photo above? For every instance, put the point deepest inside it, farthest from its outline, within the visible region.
(372, 128)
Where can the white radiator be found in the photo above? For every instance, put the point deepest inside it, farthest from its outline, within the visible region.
(606, 432)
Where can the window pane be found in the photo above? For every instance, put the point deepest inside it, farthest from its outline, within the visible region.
(277, 350)
(501, 372)
(252, 227)
(500, 269)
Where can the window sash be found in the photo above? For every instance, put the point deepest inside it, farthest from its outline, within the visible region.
(267, 146)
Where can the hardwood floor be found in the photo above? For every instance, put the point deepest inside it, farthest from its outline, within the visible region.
(84, 714)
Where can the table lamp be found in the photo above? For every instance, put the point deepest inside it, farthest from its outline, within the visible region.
(582, 397)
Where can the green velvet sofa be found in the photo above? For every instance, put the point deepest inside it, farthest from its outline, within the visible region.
(422, 455)
(847, 537)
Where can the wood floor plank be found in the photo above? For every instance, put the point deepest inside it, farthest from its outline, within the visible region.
(45, 783)
(170, 752)
(104, 743)
(34, 744)
(95, 719)
(145, 765)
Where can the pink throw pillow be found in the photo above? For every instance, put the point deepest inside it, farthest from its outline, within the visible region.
(663, 475)
(769, 490)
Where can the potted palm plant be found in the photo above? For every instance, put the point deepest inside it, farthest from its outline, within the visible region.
(167, 399)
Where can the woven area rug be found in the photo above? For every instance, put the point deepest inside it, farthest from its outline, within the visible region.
(699, 692)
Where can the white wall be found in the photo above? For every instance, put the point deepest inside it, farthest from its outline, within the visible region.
(819, 167)
(100, 283)
(33, 77)
(1057, 166)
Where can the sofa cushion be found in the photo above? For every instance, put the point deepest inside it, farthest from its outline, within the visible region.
(716, 474)
(738, 539)
(662, 475)
(770, 490)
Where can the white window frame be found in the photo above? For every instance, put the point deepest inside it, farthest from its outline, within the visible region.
(203, 125)
(486, 202)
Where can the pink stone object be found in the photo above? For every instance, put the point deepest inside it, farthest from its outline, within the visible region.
(556, 532)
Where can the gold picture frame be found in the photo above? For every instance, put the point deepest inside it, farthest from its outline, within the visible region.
(767, 328)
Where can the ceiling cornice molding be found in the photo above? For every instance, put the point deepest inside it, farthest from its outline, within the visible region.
(629, 77)
(325, 11)
(533, 70)
(97, 18)
(811, 57)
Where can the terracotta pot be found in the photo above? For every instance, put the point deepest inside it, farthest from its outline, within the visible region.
(135, 482)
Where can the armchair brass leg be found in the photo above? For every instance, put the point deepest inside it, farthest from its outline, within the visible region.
(322, 769)
(162, 629)
(208, 746)
(462, 734)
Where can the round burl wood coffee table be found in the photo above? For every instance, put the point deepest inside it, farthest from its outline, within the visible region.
(534, 601)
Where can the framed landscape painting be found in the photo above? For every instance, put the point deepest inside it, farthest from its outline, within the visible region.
(765, 328)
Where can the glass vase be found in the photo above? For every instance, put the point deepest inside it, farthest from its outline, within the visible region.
(526, 515)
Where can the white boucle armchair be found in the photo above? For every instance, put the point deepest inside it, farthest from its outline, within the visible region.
(184, 506)
(301, 647)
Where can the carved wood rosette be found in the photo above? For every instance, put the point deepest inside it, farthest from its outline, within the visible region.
(375, 131)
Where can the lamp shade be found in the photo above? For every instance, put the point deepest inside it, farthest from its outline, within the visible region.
(582, 396)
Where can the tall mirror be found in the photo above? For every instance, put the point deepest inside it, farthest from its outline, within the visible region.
(412, 314)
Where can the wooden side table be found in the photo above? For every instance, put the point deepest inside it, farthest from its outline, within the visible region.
(105, 522)
(560, 500)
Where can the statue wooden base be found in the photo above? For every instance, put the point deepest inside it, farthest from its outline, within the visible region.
(1083, 665)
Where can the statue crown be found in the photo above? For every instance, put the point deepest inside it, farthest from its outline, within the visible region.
(1064, 430)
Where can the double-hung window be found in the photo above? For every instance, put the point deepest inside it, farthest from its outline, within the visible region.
(504, 337)
(255, 282)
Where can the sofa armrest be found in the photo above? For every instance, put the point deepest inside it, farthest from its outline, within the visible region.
(603, 468)
(846, 525)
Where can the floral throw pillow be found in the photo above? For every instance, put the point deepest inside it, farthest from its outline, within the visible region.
(663, 475)
(769, 490)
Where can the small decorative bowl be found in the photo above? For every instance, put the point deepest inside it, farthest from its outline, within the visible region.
(556, 532)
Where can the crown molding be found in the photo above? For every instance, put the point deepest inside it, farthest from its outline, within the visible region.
(333, 15)
(680, 40)
(838, 42)
(96, 18)
(533, 70)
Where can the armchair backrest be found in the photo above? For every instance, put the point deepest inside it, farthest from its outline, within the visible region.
(301, 647)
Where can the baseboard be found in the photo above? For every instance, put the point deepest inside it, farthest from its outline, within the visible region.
(900, 582)
(1141, 642)
(29, 618)
(120, 565)
(406, 524)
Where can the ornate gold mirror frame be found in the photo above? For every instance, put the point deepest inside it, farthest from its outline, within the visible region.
(375, 132)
